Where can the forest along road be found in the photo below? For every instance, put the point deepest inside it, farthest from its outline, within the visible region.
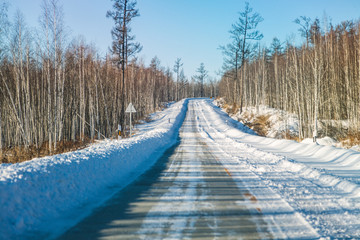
(196, 190)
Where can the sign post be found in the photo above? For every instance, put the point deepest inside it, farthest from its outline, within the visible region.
(119, 131)
(130, 109)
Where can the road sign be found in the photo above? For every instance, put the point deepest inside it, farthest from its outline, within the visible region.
(130, 109)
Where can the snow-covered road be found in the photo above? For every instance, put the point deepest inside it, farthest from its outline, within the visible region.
(220, 182)
(187, 194)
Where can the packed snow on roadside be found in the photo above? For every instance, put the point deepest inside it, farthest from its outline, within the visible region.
(280, 122)
(43, 197)
(321, 183)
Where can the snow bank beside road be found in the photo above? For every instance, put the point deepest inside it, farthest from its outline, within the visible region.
(336, 167)
(320, 183)
(280, 124)
(35, 196)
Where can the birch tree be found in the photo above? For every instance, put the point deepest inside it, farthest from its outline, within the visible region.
(177, 69)
(201, 77)
(53, 29)
(318, 80)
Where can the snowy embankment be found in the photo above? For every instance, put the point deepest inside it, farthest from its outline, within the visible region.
(321, 183)
(42, 197)
(334, 166)
(275, 123)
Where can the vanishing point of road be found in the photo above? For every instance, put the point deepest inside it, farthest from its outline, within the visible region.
(194, 191)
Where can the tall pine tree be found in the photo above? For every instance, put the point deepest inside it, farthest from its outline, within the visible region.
(123, 45)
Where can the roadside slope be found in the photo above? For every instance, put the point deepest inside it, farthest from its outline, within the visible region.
(320, 183)
(42, 197)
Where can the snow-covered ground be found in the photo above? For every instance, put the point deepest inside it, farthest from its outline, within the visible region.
(298, 189)
(47, 195)
(280, 122)
(320, 183)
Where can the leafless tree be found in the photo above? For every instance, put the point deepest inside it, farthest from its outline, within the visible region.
(243, 32)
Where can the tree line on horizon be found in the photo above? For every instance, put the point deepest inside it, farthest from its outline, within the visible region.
(55, 93)
(318, 80)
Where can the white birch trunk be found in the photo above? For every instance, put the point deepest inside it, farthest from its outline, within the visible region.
(1, 136)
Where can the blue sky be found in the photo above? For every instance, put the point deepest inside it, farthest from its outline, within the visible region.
(189, 29)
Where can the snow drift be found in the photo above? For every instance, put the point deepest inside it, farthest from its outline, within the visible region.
(336, 167)
(48, 194)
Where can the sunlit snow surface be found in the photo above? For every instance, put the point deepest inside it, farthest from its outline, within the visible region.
(321, 183)
(47, 195)
(299, 190)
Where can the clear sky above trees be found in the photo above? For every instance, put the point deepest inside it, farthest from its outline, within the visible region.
(189, 29)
